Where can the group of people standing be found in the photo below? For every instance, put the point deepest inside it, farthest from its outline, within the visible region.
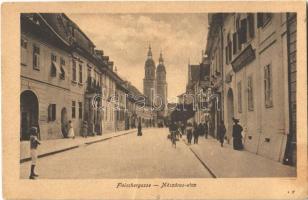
(194, 130)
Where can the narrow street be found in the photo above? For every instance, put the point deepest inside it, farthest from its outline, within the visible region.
(128, 156)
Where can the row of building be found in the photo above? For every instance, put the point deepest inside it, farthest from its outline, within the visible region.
(248, 71)
(64, 77)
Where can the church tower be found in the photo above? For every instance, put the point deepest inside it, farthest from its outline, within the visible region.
(161, 83)
(149, 78)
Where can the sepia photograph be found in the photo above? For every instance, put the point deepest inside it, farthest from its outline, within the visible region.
(156, 101)
(100, 96)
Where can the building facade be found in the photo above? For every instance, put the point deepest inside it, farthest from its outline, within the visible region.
(64, 78)
(251, 54)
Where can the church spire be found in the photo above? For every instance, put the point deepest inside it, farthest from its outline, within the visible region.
(150, 52)
(161, 60)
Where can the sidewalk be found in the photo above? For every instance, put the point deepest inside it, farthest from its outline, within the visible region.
(54, 146)
(225, 162)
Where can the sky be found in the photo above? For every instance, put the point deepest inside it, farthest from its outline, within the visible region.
(125, 38)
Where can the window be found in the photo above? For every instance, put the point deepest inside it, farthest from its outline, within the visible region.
(268, 93)
(234, 43)
(54, 66)
(36, 57)
(239, 96)
(53, 58)
(51, 112)
(23, 53)
(251, 25)
(80, 73)
(263, 19)
(62, 68)
(243, 32)
(73, 109)
(80, 110)
(74, 71)
(250, 93)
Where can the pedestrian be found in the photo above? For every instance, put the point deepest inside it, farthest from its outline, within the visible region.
(173, 129)
(206, 129)
(222, 133)
(197, 133)
(183, 128)
(139, 129)
(237, 135)
(85, 129)
(34, 142)
(189, 131)
(71, 133)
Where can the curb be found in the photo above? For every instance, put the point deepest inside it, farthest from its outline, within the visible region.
(200, 160)
(73, 147)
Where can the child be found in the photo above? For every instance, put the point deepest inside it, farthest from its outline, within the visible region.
(71, 133)
(34, 142)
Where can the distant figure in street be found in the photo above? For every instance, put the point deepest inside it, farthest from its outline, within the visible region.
(189, 132)
(139, 129)
(222, 133)
(237, 135)
(173, 129)
(85, 129)
(197, 133)
(206, 129)
(71, 133)
(34, 142)
(183, 128)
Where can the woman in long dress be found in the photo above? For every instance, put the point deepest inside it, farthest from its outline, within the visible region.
(237, 135)
(71, 133)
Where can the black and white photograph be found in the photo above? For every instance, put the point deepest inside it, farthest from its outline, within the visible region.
(101, 97)
(140, 96)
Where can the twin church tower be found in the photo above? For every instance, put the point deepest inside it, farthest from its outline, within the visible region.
(154, 82)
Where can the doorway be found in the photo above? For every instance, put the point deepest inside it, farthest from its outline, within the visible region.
(28, 112)
(64, 122)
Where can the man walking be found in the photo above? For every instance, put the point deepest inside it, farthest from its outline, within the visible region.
(206, 129)
(222, 133)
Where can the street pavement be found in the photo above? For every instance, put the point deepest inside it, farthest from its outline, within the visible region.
(127, 156)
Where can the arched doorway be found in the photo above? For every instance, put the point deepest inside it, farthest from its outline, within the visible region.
(230, 112)
(28, 113)
(64, 121)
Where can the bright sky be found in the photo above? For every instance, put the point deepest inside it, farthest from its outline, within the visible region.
(125, 39)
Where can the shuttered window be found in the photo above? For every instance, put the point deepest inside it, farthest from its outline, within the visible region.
(62, 68)
(23, 53)
(234, 37)
(250, 93)
(239, 96)
(74, 75)
(251, 25)
(243, 31)
(80, 110)
(51, 112)
(268, 93)
(73, 109)
(80, 73)
(36, 57)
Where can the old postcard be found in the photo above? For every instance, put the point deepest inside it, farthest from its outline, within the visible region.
(154, 100)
